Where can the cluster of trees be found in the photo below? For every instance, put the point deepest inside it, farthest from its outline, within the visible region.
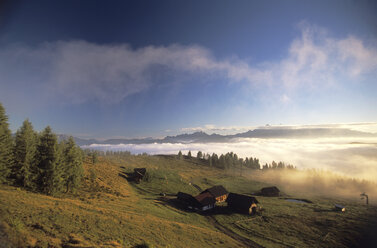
(225, 161)
(37, 161)
(231, 160)
(279, 165)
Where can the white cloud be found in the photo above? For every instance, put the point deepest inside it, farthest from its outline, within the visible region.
(81, 71)
(210, 128)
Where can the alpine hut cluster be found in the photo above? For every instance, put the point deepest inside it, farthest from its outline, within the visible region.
(208, 199)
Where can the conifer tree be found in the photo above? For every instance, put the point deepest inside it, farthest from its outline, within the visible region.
(199, 155)
(73, 170)
(6, 154)
(95, 157)
(189, 154)
(24, 155)
(180, 156)
(49, 157)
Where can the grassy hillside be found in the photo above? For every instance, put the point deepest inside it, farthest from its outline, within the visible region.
(109, 211)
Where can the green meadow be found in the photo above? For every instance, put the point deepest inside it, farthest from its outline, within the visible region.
(109, 210)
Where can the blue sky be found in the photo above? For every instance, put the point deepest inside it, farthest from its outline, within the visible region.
(136, 68)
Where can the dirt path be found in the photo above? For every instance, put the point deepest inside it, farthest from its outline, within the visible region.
(233, 235)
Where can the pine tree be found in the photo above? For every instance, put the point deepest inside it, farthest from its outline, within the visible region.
(6, 154)
(180, 156)
(199, 155)
(189, 154)
(73, 170)
(49, 155)
(24, 169)
(95, 157)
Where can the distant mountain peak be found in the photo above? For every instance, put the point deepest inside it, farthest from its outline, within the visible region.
(202, 137)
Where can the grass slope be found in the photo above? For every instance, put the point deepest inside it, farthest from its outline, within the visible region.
(109, 211)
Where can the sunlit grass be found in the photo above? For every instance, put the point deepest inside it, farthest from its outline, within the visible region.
(109, 211)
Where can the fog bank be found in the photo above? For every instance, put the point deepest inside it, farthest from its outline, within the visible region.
(354, 157)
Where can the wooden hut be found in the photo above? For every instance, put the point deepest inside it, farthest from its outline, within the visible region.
(206, 201)
(340, 208)
(270, 191)
(218, 192)
(242, 203)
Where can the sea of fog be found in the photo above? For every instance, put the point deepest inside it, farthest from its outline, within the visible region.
(355, 157)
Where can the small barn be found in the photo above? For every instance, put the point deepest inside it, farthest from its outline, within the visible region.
(139, 174)
(242, 203)
(340, 208)
(206, 201)
(270, 191)
(218, 192)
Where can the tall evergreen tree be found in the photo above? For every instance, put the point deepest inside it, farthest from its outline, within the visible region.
(95, 157)
(24, 169)
(73, 170)
(49, 155)
(6, 144)
(180, 156)
(189, 154)
(199, 155)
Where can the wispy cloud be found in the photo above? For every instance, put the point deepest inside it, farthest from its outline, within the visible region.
(81, 71)
(210, 128)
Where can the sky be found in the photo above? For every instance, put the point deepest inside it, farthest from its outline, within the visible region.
(107, 69)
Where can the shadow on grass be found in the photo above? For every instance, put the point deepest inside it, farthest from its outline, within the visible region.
(128, 176)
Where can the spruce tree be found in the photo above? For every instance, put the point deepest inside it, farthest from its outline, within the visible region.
(95, 157)
(6, 154)
(49, 155)
(180, 156)
(199, 155)
(73, 170)
(24, 170)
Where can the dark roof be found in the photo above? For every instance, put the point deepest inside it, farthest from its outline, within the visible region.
(216, 191)
(184, 196)
(270, 189)
(188, 199)
(205, 199)
(241, 201)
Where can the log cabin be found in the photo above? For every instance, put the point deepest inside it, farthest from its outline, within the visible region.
(242, 203)
(218, 192)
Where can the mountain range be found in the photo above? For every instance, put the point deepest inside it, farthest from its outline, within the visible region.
(202, 137)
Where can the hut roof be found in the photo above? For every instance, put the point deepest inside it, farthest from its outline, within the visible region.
(187, 199)
(184, 196)
(216, 191)
(205, 199)
(242, 201)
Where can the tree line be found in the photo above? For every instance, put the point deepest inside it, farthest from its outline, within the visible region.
(37, 161)
(231, 160)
